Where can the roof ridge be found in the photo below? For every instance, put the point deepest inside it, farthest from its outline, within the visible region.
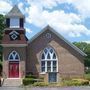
(15, 11)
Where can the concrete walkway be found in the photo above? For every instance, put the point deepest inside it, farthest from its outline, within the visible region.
(12, 82)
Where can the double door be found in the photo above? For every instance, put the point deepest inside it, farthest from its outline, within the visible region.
(13, 69)
(52, 77)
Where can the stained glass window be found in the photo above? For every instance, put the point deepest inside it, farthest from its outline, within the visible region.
(13, 56)
(49, 60)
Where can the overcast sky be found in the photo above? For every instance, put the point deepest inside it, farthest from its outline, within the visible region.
(70, 18)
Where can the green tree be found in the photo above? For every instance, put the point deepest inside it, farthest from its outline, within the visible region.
(85, 47)
(2, 26)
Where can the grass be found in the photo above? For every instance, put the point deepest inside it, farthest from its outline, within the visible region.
(0, 62)
(87, 76)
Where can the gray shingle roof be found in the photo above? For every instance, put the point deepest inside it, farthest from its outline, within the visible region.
(15, 12)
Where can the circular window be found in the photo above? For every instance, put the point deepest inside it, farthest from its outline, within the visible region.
(48, 35)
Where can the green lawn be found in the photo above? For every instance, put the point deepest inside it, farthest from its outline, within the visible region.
(87, 76)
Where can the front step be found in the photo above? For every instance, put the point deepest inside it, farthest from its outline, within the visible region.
(12, 82)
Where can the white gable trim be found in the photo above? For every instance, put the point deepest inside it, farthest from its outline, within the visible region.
(13, 33)
(60, 36)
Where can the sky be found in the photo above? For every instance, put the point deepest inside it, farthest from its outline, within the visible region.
(70, 18)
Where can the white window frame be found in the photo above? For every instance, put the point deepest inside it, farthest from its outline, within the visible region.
(14, 36)
(14, 33)
(51, 60)
(14, 22)
(14, 56)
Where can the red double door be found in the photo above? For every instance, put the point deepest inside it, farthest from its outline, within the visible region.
(13, 69)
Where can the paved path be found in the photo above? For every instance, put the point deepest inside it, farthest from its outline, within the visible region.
(38, 88)
(12, 82)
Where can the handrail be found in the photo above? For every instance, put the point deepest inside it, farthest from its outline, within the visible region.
(3, 78)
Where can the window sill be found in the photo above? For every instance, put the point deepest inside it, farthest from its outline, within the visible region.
(43, 73)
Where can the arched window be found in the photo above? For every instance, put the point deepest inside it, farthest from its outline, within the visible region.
(49, 60)
(14, 56)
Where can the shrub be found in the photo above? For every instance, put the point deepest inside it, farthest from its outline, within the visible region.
(0, 68)
(74, 82)
(30, 76)
(54, 84)
(82, 81)
(31, 79)
(70, 83)
(87, 71)
(28, 81)
(87, 76)
(41, 84)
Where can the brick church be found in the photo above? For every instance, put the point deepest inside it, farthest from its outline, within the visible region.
(47, 54)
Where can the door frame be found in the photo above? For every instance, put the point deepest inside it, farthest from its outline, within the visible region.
(9, 69)
(55, 73)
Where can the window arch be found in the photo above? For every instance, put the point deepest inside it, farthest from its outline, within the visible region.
(49, 60)
(14, 56)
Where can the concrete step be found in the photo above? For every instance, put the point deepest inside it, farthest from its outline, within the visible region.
(12, 82)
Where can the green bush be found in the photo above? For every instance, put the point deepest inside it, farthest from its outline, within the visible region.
(75, 82)
(31, 79)
(70, 83)
(30, 76)
(0, 68)
(54, 84)
(82, 81)
(41, 84)
(85, 83)
(28, 81)
(87, 71)
(0, 63)
(87, 76)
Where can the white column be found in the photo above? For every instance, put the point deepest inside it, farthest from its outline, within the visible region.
(57, 65)
(45, 66)
(51, 66)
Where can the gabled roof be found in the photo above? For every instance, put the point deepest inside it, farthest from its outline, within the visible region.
(60, 36)
(14, 12)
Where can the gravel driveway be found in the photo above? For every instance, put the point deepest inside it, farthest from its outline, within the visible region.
(43, 88)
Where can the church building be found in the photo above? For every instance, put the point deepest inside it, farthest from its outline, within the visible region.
(48, 54)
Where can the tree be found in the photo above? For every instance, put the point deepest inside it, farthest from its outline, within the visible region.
(81, 45)
(85, 48)
(2, 26)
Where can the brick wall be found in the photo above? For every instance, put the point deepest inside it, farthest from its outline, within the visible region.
(22, 53)
(70, 62)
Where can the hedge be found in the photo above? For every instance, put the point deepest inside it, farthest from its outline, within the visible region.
(87, 76)
(75, 82)
(41, 84)
(28, 81)
(30, 76)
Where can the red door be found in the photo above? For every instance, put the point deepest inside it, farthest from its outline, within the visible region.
(13, 69)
